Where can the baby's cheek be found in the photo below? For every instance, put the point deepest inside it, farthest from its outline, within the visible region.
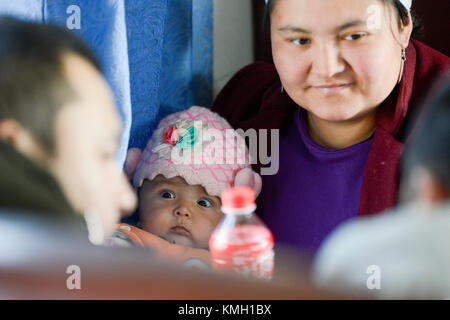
(155, 222)
(204, 231)
(219, 215)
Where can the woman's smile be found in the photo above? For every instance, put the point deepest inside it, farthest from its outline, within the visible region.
(333, 88)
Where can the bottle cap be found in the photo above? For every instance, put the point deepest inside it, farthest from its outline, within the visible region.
(238, 200)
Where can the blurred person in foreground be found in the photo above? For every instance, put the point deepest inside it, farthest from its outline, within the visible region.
(404, 253)
(59, 131)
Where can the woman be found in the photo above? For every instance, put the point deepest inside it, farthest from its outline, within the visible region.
(343, 91)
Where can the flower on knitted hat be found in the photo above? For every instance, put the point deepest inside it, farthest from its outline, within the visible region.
(171, 135)
(184, 134)
(184, 124)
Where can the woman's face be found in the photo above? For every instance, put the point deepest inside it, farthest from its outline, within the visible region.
(338, 59)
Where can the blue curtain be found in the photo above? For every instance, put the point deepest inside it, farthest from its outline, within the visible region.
(155, 54)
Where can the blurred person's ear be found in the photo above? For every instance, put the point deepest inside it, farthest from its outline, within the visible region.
(428, 189)
(10, 131)
(22, 140)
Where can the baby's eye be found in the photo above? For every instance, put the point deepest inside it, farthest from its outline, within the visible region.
(204, 203)
(301, 41)
(355, 36)
(167, 195)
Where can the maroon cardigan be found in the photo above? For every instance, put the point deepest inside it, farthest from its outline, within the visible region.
(253, 99)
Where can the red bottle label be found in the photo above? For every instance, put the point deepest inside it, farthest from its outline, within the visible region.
(245, 249)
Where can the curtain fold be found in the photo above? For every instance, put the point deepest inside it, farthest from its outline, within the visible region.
(145, 32)
(187, 53)
(102, 25)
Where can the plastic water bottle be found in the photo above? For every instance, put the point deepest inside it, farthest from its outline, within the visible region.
(241, 243)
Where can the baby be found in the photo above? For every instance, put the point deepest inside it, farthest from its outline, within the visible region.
(191, 158)
(177, 211)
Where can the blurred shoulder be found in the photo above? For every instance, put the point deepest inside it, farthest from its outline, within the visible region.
(405, 244)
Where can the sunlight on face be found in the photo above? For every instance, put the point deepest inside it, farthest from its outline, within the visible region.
(331, 57)
(178, 212)
(87, 132)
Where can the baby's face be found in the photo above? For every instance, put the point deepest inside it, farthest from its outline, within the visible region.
(181, 213)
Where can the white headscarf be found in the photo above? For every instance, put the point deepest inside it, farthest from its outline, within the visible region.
(406, 3)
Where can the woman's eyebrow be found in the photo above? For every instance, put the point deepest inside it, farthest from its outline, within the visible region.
(290, 28)
(354, 23)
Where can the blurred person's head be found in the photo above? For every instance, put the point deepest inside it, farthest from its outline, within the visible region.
(426, 162)
(57, 110)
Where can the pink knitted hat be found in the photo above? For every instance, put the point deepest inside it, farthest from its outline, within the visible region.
(198, 145)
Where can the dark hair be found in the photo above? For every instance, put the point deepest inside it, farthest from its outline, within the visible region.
(32, 83)
(402, 15)
(430, 142)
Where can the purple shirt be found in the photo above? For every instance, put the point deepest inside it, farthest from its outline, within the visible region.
(315, 188)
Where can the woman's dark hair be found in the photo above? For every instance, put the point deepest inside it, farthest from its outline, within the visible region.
(32, 82)
(402, 15)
